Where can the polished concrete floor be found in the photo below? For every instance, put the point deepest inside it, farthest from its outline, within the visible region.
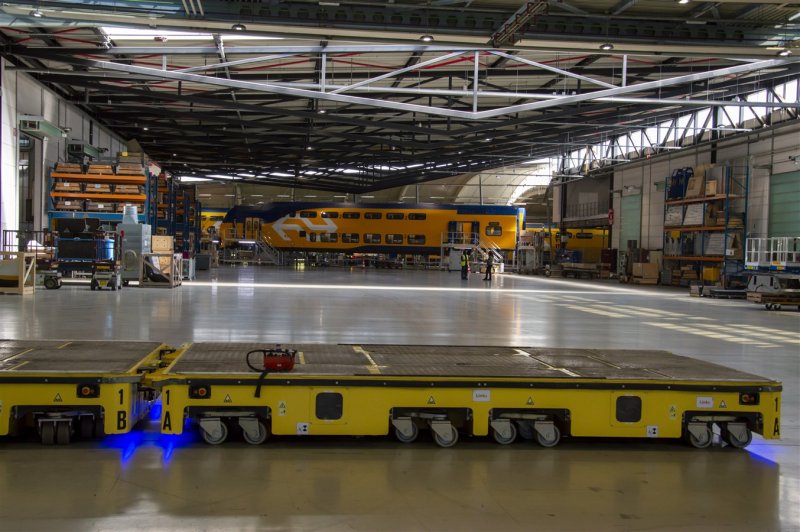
(144, 481)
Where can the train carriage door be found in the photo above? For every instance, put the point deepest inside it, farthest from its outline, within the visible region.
(476, 233)
(252, 228)
(452, 229)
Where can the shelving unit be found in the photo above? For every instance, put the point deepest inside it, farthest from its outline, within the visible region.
(704, 226)
(97, 191)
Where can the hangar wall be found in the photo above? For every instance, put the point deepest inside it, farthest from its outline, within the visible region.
(768, 153)
(21, 94)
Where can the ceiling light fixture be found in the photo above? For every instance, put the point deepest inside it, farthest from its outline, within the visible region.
(37, 13)
(426, 38)
(322, 111)
(238, 27)
(606, 46)
(785, 52)
(683, 1)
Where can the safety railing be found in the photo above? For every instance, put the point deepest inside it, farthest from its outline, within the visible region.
(775, 253)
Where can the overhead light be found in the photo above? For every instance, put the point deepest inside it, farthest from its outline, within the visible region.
(145, 128)
(606, 46)
(238, 27)
(322, 111)
(426, 38)
(683, 1)
(37, 13)
(785, 52)
(309, 148)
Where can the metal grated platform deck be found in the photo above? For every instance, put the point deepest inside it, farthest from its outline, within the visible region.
(468, 361)
(22, 356)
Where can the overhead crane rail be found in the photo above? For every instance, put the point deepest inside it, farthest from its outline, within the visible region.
(64, 389)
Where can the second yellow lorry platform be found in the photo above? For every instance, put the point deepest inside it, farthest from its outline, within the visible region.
(541, 394)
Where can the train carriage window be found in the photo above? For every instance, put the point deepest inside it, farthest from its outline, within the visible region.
(395, 216)
(629, 409)
(494, 229)
(308, 214)
(372, 238)
(394, 239)
(330, 405)
(329, 237)
(350, 238)
(418, 240)
(351, 215)
(329, 214)
(417, 216)
(373, 215)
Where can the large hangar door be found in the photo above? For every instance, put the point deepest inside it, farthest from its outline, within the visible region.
(784, 198)
(630, 221)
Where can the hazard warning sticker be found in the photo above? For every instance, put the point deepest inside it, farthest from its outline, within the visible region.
(282, 408)
(652, 431)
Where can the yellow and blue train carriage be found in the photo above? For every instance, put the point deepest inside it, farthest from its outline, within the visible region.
(373, 228)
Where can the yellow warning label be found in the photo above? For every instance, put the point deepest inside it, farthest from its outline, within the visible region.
(57, 398)
(529, 401)
(431, 400)
(722, 404)
(228, 398)
(673, 411)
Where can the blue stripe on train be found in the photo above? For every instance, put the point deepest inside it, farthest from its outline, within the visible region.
(273, 211)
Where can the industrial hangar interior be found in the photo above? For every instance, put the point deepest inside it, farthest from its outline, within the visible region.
(231, 238)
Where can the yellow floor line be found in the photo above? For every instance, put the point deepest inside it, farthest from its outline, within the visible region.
(18, 355)
(302, 357)
(372, 367)
(63, 346)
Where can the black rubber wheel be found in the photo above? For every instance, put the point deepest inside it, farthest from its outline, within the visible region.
(87, 428)
(99, 428)
(93, 285)
(50, 283)
(407, 439)
(48, 433)
(62, 432)
(549, 443)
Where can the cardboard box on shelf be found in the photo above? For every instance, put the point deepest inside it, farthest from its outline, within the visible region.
(696, 186)
(711, 188)
(69, 168)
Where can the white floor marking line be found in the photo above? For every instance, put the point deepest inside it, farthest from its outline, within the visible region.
(769, 336)
(598, 312)
(710, 334)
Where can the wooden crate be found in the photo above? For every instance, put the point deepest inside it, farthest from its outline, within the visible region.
(170, 265)
(102, 169)
(128, 189)
(97, 206)
(162, 243)
(97, 188)
(19, 270)
(69, 168)
(66, 186)
(130, 169)
(69, 205)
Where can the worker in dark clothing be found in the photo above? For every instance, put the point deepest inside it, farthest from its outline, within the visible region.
(489, 261)
(464, 265)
